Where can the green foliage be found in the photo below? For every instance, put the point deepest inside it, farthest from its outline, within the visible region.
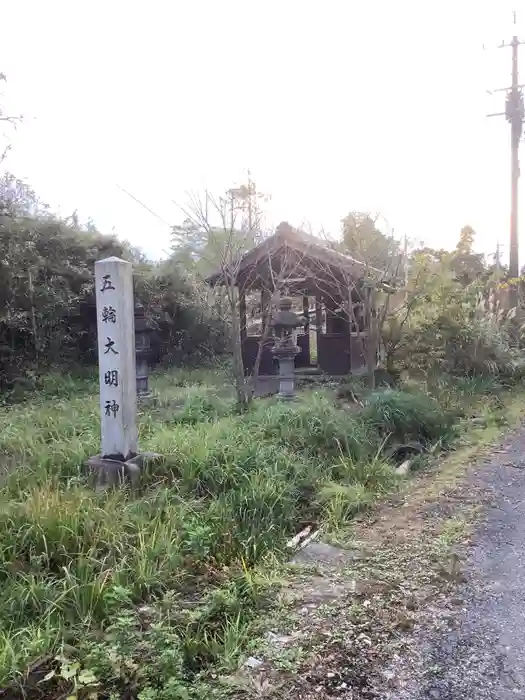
(461, 395)
(202, 406)
(466, 265)
(315, 425)
(47, 304)
(185, 327)
(452, 321)
(404, 417)
(364, 241)
(206, 249)
(77, 567)
(343, 501)
(354, 486)
(155, 592)
(470, 338)
(158, 650)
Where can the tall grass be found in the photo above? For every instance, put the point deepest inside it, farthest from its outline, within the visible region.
(76, 566)
(404, 417)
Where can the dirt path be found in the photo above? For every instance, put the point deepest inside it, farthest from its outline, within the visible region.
(471, 646)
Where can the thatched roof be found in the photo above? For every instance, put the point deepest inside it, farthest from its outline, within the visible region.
(314, 259)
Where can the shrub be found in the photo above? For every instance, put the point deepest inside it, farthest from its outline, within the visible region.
(47, 300)
(404, 417)
(466, 334)
(314, 424)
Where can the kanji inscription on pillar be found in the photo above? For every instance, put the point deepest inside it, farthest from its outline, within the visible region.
(116, 358)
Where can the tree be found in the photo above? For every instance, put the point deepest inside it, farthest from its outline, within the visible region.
(383, 277)
(432, 255)
(467, 265)
(47, 301)
(464, 264)
(365, 242)
(430, 284)
(466, 241)
(9, 122)
(210, 239)
(214, 238)
(18, 199)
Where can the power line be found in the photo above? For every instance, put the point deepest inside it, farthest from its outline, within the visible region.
(144, 206)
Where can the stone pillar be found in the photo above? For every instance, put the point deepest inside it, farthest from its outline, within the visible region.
(286, 357)
(116, 358)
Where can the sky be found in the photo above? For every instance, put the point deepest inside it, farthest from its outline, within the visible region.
(334, 106)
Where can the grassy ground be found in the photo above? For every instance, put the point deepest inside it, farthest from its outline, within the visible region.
(345, 626)
(163, 592)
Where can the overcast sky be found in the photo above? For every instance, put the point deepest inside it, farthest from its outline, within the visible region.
(334, 106)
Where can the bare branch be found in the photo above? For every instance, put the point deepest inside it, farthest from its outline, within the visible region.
(8, 119)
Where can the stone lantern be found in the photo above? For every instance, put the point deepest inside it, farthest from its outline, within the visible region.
(285, 326)
(142, 351)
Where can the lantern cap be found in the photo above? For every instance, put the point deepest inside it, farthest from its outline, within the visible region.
(285, 317)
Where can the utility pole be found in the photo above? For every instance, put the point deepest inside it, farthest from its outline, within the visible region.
(514, 113)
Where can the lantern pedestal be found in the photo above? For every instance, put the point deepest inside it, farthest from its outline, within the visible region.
(286, 357)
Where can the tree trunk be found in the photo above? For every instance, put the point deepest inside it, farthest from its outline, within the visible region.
(352, 320)
(371, 346)
(36, 341)
(266, 318)
(238, 365)
(318, 327)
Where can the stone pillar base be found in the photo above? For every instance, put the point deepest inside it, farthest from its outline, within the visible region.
(286, 357)
(105, 473)
(286, 378)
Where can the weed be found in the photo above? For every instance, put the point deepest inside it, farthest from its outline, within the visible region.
(314, 424)
(453, 530)
(150, 593)
(406, 417)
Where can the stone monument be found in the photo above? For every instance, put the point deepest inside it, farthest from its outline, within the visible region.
(116, 358)
(119, 459)
(285, 349)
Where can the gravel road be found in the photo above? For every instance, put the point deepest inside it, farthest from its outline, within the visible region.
(472, 647)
